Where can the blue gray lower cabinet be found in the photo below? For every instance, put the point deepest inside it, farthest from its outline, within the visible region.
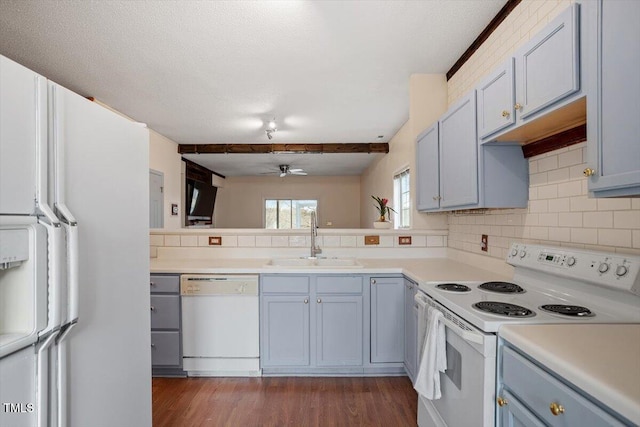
(531, 395)
(410, 329)
(387, 319)
(319, 324)
(166, 328)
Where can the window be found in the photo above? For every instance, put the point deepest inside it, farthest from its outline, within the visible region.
(402, 199)
(287, 213)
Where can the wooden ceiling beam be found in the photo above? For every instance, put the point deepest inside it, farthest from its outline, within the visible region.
(373, 147)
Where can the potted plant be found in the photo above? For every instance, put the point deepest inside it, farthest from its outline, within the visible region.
(384, 212)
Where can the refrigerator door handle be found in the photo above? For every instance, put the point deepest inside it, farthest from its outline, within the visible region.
(55, 241)
(62, 368)
(42, 388)
(71, 227)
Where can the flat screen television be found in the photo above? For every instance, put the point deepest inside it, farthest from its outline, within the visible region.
(199, 203)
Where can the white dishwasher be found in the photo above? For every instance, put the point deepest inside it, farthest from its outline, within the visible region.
(220, 325)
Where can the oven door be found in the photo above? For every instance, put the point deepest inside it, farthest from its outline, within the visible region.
(468, 384)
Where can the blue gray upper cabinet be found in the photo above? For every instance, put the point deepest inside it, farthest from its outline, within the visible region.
(542, 76)
(454, 172)
(613, 103)
(496, 100)
(428, 170)
(459, 155)
(548, 66)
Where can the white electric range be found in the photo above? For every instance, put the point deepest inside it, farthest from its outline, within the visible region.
(550, 286)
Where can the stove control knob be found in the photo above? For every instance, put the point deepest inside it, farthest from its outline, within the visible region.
(571, 261)
(622, 270)
(514, 252)
(603, 267)
(523, 253)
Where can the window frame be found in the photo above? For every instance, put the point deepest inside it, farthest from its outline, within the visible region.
(399, 196)
(285, 199)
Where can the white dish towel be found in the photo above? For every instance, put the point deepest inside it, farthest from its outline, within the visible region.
(434, 356)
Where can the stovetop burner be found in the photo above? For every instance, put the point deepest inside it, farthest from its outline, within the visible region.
(567, 310)
(503, 309)
(502, 287)
(454, 287)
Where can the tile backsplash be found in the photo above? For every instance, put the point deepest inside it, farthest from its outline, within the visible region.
(560, 213)
(266, 243)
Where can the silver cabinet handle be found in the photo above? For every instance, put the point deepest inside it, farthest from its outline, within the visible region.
(373, 281)
(152, 284)
(153, 345)
(153, 308)
(319, 300)
(306, 301)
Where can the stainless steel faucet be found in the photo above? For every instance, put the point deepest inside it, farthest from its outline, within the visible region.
(315, 249)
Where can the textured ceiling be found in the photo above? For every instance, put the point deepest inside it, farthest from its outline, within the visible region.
(216, 71)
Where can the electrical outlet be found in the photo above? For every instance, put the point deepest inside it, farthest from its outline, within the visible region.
(371, 240)
(215, 240)
(404, 240)
(484, 243)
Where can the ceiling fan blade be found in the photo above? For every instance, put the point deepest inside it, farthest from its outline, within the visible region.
(283, 174)
(299, 173)
(296, 170)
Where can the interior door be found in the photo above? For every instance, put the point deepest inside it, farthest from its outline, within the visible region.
(156, 199)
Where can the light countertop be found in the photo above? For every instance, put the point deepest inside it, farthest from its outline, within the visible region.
(602, 360)
(419, 270)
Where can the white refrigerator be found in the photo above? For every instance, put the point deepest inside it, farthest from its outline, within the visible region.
(74, 304)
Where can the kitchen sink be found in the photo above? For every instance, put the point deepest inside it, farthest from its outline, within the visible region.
(314, 263)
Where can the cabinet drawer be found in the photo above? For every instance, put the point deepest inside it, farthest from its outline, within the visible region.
(285, 284)
(165, 311)
(164, 284)
(165, 348)
(538, 389)
(339, 285)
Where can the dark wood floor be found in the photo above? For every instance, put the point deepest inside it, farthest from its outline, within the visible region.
(378, 401)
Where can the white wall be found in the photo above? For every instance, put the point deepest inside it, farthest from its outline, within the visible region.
(164, 157)
(428, 101)
(240, 203)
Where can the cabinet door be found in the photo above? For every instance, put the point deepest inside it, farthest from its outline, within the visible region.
(410, 329)
(339, 330)
(496, 98)
(459, 155)
(387, 320)
(428, 170)
(547, 67)
(515, 414)
(165, 348)
(165, 311)
(284, 333)
(613, 104)
(23, 138)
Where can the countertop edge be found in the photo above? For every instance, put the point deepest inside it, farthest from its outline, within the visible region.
(612, 397)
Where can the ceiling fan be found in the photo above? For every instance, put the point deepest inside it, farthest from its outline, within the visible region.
(286, 170)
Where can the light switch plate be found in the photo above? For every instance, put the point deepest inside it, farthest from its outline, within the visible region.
(215, 240)
(484, 243)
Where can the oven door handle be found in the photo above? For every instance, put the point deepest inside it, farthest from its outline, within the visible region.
(467, 335)
(462, 333)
